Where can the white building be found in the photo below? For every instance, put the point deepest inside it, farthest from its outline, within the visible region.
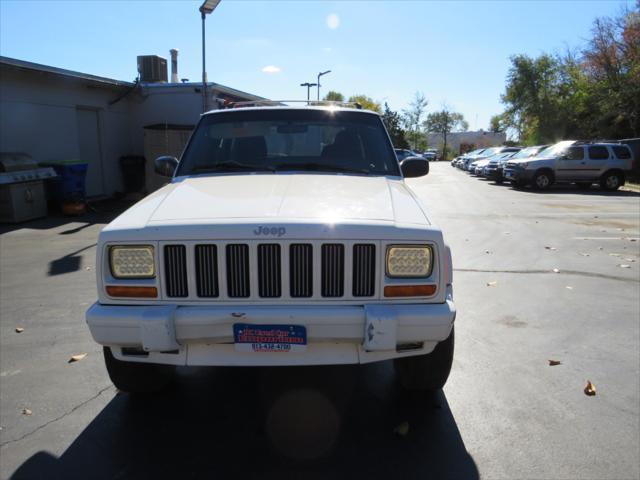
(477, 139)
(55, 114)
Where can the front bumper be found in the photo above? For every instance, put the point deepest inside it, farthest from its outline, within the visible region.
(203, 335)
(516, 174)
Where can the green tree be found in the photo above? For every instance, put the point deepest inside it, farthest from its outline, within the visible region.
(444, 122)
(334, 96)
(496, 123)
(393, 122)
(412, 119)
(366, 102)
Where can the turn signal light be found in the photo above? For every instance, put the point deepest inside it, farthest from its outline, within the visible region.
(409, 290)
(132, 292)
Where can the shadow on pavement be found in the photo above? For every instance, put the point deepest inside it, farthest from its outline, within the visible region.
(312, 422)
(98, 212)
(570, 189)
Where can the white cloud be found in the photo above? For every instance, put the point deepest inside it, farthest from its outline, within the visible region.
(271, 69)
(333, 21)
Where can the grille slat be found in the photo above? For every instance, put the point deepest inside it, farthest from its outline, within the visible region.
(364, 270)
(301, 270)
(175, 264)
(269, 275)
(332, 270)
(238, 270)
(207, 271)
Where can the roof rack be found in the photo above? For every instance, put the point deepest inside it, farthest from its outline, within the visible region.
(282, 103)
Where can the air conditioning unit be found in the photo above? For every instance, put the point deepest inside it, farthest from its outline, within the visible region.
(152, 69)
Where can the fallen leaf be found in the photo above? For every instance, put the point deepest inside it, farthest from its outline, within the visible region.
(615, 254)
(402, 429)
(87, 268)
(568, 287)
(487, 251)
(633, 240)
(584, 254)
(624, 265)
(551, 248)
(77, 358)
(19, 329)
(629, 259)
(600, 248)
(492, 284)
(507, 233)
(555, 270)
(553, 363)
(26, 411)
(590, 389)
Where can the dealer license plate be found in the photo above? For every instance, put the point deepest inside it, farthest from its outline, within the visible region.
(508, 174)
(269, 338)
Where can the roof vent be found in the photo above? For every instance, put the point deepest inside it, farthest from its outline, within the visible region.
(152, 69)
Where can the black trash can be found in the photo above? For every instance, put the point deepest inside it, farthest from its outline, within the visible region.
(132, 167)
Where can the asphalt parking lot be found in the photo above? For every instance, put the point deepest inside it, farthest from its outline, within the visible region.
(537, 277)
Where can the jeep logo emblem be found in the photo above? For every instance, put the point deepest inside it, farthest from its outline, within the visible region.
(276, 231)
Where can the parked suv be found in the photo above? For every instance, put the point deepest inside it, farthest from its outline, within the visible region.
(495, 168)
(286, 236)
(573, 162)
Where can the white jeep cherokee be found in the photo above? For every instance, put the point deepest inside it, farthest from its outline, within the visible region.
(286, 236)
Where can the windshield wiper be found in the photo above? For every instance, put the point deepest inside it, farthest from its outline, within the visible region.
(318, 167)
(231, 167)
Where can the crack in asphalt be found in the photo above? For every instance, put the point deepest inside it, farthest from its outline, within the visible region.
(551, 272)
(28, 434)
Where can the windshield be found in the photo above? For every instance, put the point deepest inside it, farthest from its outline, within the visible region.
(526, 152)
(555, 150)
(289, 140)
(490, 151)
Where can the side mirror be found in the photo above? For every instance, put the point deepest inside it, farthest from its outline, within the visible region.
(166, 165)
(414, 167)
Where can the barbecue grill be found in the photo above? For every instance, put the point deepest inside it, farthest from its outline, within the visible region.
(22, 194)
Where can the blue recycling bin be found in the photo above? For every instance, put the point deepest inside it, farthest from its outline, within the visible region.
(71, 182)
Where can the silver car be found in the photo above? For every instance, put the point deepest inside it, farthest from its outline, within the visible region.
(573, 162)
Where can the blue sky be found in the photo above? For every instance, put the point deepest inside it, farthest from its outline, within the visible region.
(454, 52)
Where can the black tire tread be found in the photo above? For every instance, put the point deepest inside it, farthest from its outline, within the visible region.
(134, 377)
(427, 372)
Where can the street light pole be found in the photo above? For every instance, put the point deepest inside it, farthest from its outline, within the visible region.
(206, 8)
(319, 75)
(308, 85)
(204, 68)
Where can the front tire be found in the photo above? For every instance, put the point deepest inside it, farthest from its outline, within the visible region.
(542, 180)
(135, 377)
(611, 181)
(427, 372)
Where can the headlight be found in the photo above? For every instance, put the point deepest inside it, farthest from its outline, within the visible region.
(132, 261)
(409, 261)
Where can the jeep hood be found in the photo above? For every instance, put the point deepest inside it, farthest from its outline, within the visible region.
(317, 198)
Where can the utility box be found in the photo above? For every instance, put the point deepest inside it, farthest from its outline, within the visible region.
(162, 139)
(152, 69)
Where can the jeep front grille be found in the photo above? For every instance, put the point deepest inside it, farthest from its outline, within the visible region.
(301, 270)
(238, 270)
(269, 270)
(207, 271)
(256, 271)
(175, 267)
(364, 265)
(332, 270)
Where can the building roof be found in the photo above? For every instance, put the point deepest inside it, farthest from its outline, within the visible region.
(95, 79)
(37, 67)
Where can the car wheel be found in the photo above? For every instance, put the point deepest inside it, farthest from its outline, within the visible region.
(584, 185)
(611, 181)
(426, 372)
(135, 377)
(542, 180)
